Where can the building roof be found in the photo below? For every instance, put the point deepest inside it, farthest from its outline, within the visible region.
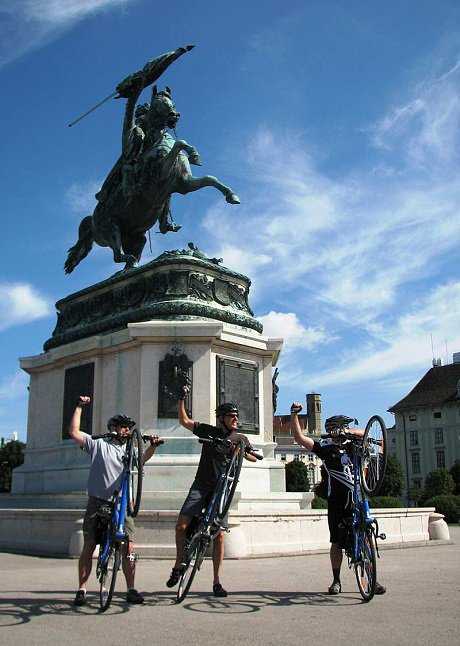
(437, 387)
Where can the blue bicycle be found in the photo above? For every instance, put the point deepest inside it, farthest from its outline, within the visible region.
(124, 502)
(369, 457)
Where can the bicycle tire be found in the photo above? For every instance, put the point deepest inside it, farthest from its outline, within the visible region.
(136, 472)
(109, 575)
(231, 479)
(193, 559)
(366, 567)
(374, 459)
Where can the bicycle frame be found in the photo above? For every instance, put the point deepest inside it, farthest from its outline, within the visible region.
(361, 514)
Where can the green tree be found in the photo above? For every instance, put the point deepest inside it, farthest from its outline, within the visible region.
(11, 456)
(393, 480)
(439, 483)
(321, 488)
(417, 495)
(455, 473)
(297, 476)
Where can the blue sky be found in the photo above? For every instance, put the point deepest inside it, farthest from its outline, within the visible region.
(337, 123)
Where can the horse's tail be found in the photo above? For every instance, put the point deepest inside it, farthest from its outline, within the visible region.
(83, 246)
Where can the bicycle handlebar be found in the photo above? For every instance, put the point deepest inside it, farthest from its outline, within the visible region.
(112, 434)
(222, 440)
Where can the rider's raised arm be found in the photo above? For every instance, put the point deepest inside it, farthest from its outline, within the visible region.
(184, 419)
(299, 437)
(74, 429)
(129, 121)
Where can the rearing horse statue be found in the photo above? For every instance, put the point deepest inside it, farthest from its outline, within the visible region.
(137, 192)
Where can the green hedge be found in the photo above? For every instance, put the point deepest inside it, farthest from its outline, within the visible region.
(448, 505)
(385, 502)
(318, 503)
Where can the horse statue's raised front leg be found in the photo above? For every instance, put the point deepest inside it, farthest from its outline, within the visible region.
(186, 183)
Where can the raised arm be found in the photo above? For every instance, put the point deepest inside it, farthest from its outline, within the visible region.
(129, 121)
(184, 419)
(155, 441)
(74, 429)
(299, 437)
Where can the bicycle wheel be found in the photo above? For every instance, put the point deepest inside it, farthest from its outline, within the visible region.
(108, 577)
(136, 472)
(366, 568)
(194, 556)
(374, 458)
(231, 479)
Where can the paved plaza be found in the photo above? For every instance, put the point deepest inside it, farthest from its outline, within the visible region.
(272, 601)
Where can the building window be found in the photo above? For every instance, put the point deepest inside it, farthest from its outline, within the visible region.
(437, 414)
(311, 457)
(417, 484)
(283, 457)
(413, 438)
(412, 418)
(440, 459)
(415, 457)
(438, 436)
(297, 458)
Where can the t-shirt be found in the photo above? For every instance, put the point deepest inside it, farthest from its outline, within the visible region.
(213, 460)
(339, 467)
(106, 471)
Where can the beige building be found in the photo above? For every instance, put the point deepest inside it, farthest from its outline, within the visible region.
(426, 435)
(287, 449)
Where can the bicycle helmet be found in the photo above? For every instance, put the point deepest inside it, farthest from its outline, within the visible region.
(120, 420)
(226, 409)
(337, 422)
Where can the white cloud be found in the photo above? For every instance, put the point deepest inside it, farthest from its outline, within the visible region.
(286, 325)
(80, 196)
(26, 25)
(14, 386)
(404, 346)
(20, 303)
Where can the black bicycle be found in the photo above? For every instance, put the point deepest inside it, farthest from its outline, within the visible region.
(203, 529)
(369, 459)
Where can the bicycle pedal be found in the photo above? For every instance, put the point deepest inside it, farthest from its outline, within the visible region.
(133, 557)
(382, 536)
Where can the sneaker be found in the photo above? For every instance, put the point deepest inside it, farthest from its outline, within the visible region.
(335, 588)
(133, 596)
(80, 598)
(174, 577)
(218, 590)
(380, 589)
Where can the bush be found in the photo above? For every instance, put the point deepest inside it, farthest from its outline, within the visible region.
(385, 502)
(393, 480)
(321, 488)
(448, 505)
(318, 503)
(455, 473)
(297, 476)
(439, 483)
(11, 456)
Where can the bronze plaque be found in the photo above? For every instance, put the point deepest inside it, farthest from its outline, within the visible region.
(174, 371)
(239, 383)
(78, 381)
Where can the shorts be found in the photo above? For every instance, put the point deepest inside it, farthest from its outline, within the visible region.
(96, 519)
(196, 501)
(339, 518)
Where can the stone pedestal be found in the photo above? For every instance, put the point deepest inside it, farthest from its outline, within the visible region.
(126, 373)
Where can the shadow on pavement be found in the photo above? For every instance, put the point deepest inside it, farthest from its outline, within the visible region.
(252, 601)
(20, 610)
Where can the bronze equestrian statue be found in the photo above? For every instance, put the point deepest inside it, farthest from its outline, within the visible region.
(153, 165)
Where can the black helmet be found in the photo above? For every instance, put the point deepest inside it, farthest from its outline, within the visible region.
(226, 409)
(337, 422)
(120, 420)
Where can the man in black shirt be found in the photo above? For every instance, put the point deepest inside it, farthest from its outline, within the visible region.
(212, 464)
(339, 469)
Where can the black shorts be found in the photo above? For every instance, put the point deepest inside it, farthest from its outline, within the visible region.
(197, 500)
(97, 517)
(339, 516)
